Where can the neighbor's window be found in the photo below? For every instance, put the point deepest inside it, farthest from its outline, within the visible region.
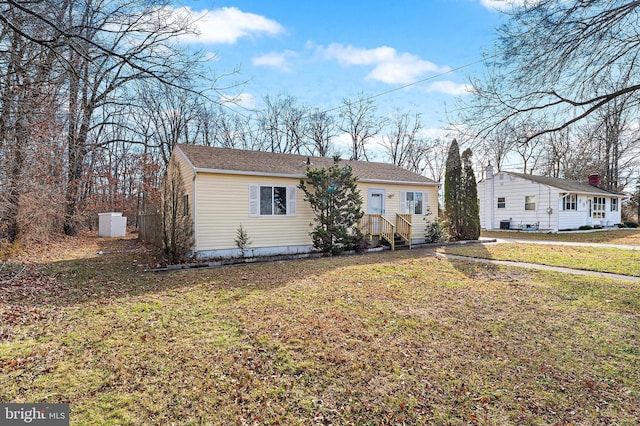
(413, 203)
(598, 207)
(530, 202)
(501, 203)
(571, 202)
(273, 200)
(614, 204)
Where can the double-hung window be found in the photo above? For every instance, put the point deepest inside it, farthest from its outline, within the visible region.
(272, 200)
(412, 202)
(502, 203)
(614, 204)
(530, 202)
(185, 205)
(570, 202)
(598, 207)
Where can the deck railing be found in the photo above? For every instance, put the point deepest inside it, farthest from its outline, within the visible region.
(404, 227)
(376, 225)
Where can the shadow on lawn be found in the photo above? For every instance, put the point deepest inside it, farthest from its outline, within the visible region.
(121, 267)
(472, 268)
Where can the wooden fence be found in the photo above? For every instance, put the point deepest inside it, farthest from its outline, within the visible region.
(150, 228)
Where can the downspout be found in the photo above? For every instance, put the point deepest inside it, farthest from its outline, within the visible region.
(490, 205)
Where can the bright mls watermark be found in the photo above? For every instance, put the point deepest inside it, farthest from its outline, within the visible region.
(34, 414)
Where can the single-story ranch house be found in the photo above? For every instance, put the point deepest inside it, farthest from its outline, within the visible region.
(227, 188)
(526, 202)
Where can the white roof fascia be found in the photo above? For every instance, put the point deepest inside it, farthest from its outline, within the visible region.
(247, 173)
(400, 182)
(186, 157)
(301, 176)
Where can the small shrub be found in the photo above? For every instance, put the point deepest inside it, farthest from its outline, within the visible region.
(242, 240)
(436, 231)
(620, 225)
(585, 228)
(631, 224)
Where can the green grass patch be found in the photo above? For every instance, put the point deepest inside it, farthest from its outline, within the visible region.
(388, 338)
(619, 261)
(620, 236)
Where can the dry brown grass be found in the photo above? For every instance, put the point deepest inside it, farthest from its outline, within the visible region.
(390, 338)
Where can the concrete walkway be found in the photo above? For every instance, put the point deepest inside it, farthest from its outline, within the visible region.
(540, 267)
(564, 243)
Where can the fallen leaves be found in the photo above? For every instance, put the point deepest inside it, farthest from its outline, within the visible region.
(391, 338)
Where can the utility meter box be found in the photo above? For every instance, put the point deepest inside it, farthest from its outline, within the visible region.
(112, 224)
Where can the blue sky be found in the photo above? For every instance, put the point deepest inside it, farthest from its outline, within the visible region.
(321, 52)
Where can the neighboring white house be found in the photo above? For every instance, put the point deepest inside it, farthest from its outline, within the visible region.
(519, 201)
(226, 188)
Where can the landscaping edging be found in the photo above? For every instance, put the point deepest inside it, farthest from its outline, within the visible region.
(315, 255)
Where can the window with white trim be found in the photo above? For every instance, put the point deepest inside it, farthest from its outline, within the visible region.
(614, 204)
(502, 202)
(272, 200)
(530, 202)
(412, 202)
(185, 205)
(598, 207)
(571, 202)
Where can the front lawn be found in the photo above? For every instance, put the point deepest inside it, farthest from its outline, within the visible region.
(618, 261)
(387, 338)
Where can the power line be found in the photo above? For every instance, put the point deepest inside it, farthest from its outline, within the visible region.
(377, 95)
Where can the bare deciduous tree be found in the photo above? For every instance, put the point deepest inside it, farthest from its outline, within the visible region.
(358, 119)
(177, 232)
(402, 143)
(321, 129)
(552, 58)
(282, 124)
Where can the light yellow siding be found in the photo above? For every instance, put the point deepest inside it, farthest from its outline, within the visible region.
(186, 169)
(222, 205)
(392, 201)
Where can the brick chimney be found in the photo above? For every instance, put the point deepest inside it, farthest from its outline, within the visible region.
(489, 172)
(594, 180)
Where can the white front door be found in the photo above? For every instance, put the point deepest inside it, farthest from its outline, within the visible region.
(376, 206)
(376, 201)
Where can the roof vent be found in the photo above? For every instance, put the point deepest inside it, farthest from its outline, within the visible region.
(308, 163)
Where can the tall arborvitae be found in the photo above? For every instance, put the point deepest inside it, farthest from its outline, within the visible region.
(469, 198)
(453, 191)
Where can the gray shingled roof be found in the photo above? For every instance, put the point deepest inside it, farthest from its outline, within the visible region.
(568, 185)
(206, 158)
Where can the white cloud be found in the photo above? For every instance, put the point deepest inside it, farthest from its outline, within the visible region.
(435, 133)
(389, 66)
(279, 60)
(228, 24)
(502, 5)
(449, 88)
(244, 100)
